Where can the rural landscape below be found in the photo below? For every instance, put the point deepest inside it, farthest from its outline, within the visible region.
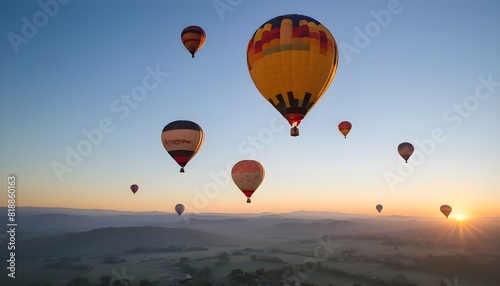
(60, 246)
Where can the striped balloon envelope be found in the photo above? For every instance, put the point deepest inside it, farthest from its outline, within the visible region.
(292, 60)
(248, 175)
(182, 139)
(193, 38)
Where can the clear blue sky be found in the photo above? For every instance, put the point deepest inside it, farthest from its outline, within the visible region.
(405, 68)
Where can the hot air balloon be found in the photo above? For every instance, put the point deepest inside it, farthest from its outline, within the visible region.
(379, 208)
(405, 150)
(134, 188)
(446, 210)
(193, 38)
(248, 175)
(182, 139)
(179, 209)
(345, 127)
(292, 60)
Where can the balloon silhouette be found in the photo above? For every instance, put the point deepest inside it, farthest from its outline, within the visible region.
(405, 150)
(379, 208)
(134, 188)
(446, 210)
(179, 209)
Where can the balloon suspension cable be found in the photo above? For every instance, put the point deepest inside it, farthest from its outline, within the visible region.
(248, 200)
(182, 169)
(294, 131)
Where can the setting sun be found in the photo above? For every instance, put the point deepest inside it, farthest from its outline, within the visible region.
(460, 217)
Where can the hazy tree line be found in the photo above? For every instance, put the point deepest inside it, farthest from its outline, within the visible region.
(170, 248)
(485, 266)
(261, 276)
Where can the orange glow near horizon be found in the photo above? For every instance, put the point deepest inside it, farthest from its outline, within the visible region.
(463, 232)
(268, 200)
(137, 204)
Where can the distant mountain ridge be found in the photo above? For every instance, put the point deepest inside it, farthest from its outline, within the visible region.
(28, 211)
(39, 222)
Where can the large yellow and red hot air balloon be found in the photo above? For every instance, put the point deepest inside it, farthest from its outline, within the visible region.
(248, 175)
(405, 150)
(193, 38)
(446, 210)
(182, 139)
(292, 60)
(345, 128)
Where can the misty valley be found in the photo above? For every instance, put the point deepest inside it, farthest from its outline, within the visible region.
(95, 247)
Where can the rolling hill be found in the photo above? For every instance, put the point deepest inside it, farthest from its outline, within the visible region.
(115, 241)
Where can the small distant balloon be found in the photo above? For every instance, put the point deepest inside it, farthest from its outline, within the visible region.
(379, 208)
(345, 128)
(405, 150)
(193, 38)
(134, 188)
(248, 175)
(179, 209)
(446, 210)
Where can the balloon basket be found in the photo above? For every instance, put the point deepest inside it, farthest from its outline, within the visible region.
(249, 200)
(294, 131)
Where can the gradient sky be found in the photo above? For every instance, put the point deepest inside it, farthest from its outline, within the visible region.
(415, 71)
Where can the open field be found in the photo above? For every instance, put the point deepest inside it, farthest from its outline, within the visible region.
(358, 258)
(249, 249)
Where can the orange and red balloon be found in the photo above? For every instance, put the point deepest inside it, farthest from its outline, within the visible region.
(248, 175)
(193, 38)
